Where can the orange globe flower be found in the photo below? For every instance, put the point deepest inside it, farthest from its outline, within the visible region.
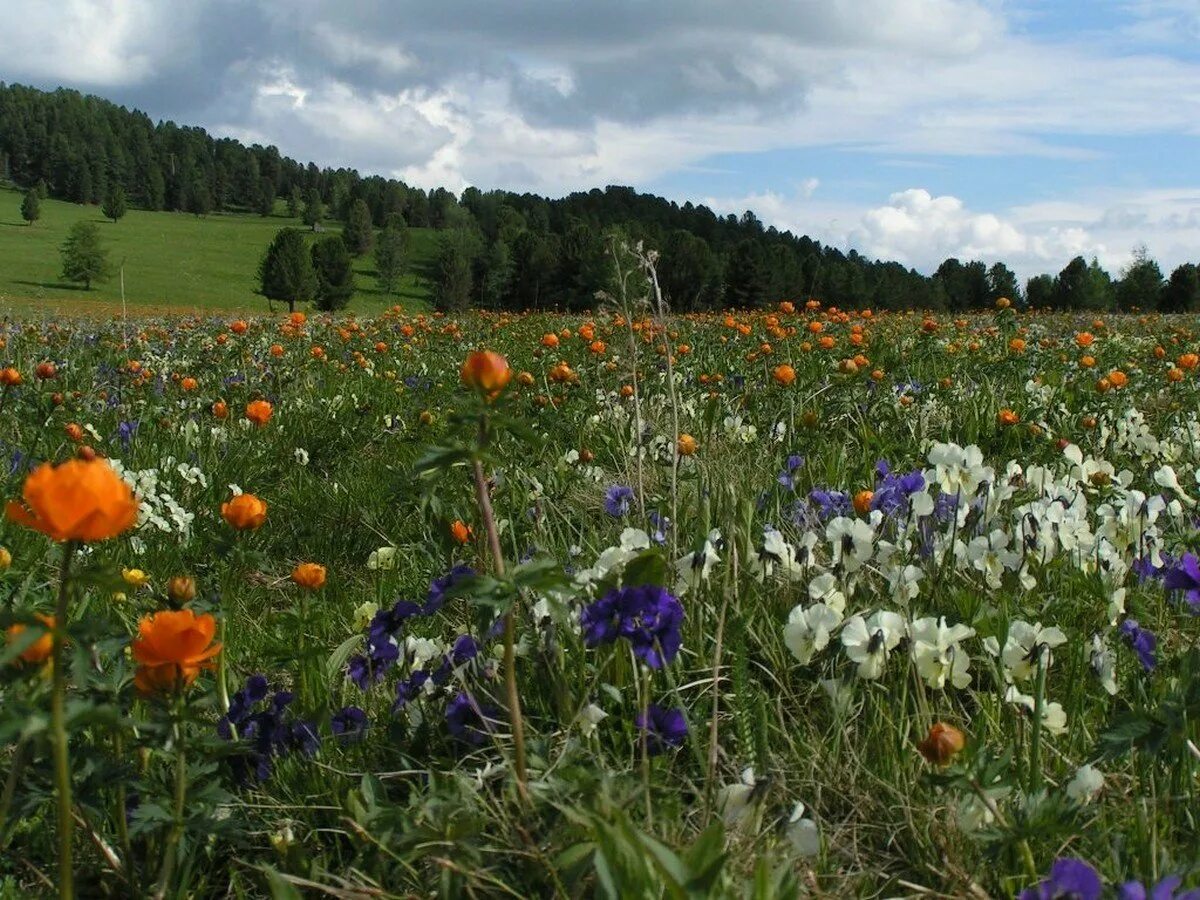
(239, 327)
(39, 650)
(783, 374)
(1007, 417)
(171, 648)
(259, 412)
(460, 531)
(687, 445)
(79, 500)
(10, 377)
(245, 512)
(309, 575)
(862, 502)
(220, 409)
(942, 744)
(486, 371)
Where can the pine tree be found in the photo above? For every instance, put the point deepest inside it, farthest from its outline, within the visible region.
(114, 203)
(266, 197)
(286, 271)
(390, 254)
(314, 210)
(293, 203)
(84, 258)
(335, 273)
(31, 208)
(359, 233)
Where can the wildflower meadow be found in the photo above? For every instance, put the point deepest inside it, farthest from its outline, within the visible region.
(626, 603)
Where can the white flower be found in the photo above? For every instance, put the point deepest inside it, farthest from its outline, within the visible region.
(1104, 665)
(1116, 606)
(1025, 644)
(851, 542)
(868, 642)
(803, 833)
(973, 813)
(301, 456)
(807, 631)
(1054, 717)
(991, 557)
(1086, 785)
(693, 568)
(382, 559)
(736, 801)
(776, 554)
(421, 650)
(589, 718)
(824, 589)
(364, 614)
(936, 652)
(957, 470)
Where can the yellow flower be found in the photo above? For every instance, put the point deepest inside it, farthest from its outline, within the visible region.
(135, 578)
(5, 558)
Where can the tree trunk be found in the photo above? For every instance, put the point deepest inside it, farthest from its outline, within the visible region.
(291, 305)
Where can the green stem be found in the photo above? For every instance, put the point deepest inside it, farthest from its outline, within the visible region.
(173, 839)
(58, 730)
(10, 787)
(1035, 741)
(510, 628)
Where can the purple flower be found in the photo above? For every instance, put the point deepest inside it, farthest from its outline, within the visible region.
(410, 689)
(1141, 641)
(464, 650)
(439, 587)
(617, 499)
(787, 477)
(1164, 890)
(830, 504)
(349, 724)
(661, 525)
(646, 615)
(1069, 879)
(663, 728)
(1185, 576)
(469, 721)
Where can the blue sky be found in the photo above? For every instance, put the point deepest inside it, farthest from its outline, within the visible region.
(906, 129)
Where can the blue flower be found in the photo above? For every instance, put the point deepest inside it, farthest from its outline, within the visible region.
(661, 525)
(1185, 576)
(349, 724)
(617, 500)
(830, 504)
(469, 721)
(663, 728)
(1164, 890)
(646, 615)
(1069, 879)
(440, 586)
(1141, 641)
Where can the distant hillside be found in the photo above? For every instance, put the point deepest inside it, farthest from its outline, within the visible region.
(496, 249)
(171, 260)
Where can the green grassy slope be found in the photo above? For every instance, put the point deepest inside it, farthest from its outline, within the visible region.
(172, 261)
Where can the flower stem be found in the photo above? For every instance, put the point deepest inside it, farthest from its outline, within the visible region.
(58, 730)
(172, 848)
(1035, 741)
(510, 629)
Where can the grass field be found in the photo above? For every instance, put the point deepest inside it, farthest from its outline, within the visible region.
(172, 261)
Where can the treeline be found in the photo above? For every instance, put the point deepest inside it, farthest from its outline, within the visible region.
(517, 251)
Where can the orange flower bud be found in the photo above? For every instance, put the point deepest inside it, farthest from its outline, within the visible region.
(309, 575)
(259, 412)
(783, 374)
(687, 445)
(245, 512)
(79, 500)
(942, 744)
(181, 589)
(862, 502)
(486, 372)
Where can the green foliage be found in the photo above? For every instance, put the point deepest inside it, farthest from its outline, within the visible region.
(286, 271)
(84, 257)
(335, 274)
(359, 233)
(314, 209)
(391, 253)
(266, 197)
(454, 286)
(1182, 291)
(1140, 285)
(31, 206)
(114, 203)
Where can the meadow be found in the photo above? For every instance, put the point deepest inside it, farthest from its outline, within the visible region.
(795, 602)
(174, 262)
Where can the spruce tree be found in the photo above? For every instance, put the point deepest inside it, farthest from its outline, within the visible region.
(286, 271)
(359, 233)
(335, 274)
(114, 203)
(84, 257)
(31, 207)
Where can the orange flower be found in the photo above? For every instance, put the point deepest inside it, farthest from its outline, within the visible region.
(862, 502)
(1016, 345)
(188, 384)
(687, 445)
(460, 531)
(171, 648)
(297, 319)
(79, 500)
(259, 412)
(1007, 417)
(10, 377)
(1118, 378)
(277, 350)
(486, 371)
(45, 370)
(239, 327)
(309, 575)
(550, 339)
(1188, 361)
(220, 409)
(1085, 339)
(783, 374)
(597, 347)
(1003, 303)
(74, 432)
(942, 744)
(39, 650)
(245, 512)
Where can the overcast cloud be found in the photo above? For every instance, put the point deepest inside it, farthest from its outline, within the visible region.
(908, 98)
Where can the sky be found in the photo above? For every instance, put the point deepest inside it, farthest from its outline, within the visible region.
(1028, 131)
